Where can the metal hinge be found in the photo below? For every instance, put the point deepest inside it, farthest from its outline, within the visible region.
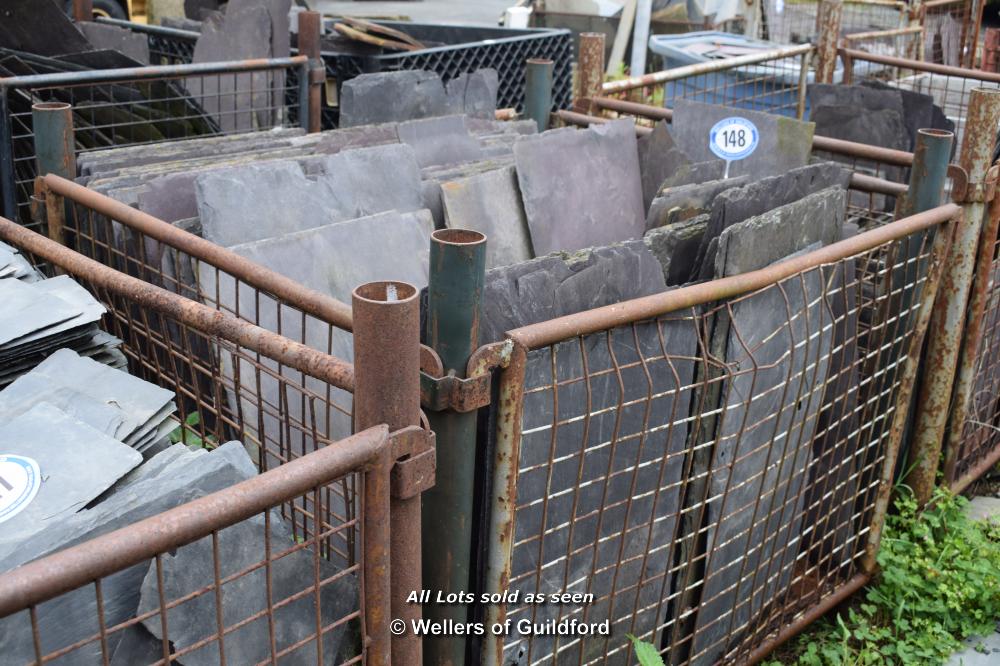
(414, 450)
(443, 392)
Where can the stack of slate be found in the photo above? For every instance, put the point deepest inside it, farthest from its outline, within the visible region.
(92, 485)
(40, 316)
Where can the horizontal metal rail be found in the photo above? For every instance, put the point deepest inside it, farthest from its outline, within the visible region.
(149, 29)
(61, 572)
(702, 68)
(150, 72)
(295, 355)
(920, 65)
(294, 293)
(875, 34)
(536, 336)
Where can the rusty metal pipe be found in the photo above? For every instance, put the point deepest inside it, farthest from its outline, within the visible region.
(387, 390)
(875, 34)
(923, 66)
(83, 10)
(545, 333)
(310, 31)
(79, 565)
(863, 151)
(55, 148)
(634, 108)
(322, 366)
(948, 321)
(860, 181)
(591, 67)
(828, 20)
(289, 291)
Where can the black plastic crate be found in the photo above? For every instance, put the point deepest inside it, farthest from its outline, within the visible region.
(466, 49)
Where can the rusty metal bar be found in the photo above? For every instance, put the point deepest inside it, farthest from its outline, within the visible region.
(633, 108)
(201, 317)
(591, 66)
(310, 301)
(50, 576)
(875, 34)
(504, 496)
(923, 66)
(800, 104)
(545, 333)
(860, 181)
(677, 73)
(83, 10)
(310, 29)
(387, 390)
(948, 321)
(828, 19)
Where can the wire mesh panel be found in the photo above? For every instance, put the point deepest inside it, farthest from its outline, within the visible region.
(794, 22)
(900, 43)
(247, 575)
(129, 107)
(706, 477)
(951, 29)
(167, 46)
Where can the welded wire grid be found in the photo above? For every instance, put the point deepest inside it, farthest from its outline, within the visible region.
(981, 427)
(794, 21)
(269, 589)
(130, 112)
(771, 86)
(904, 43)
(285, 413)
(951, 29)
(710, 475)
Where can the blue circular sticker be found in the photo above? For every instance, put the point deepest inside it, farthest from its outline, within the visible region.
(733, 138)
(20, 479)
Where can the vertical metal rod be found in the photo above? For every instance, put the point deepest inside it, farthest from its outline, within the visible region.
(828, 19)
(8, 181)
(457, 275)
(504, 497)
(591, 69)
(928, 173)
(310, 33)
(538, 91)
(948, 320)
(83, 10)
(800, 107)
(55, 149)
(386, 319)
(304, 114)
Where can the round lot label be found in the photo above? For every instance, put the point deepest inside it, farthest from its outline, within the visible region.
(733, 138)
(20, 479)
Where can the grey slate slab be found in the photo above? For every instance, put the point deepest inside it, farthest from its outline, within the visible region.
(785, 143)
(133, 44)
(738, 204)
(581, 188)
(681, 202)
(239, 547)
(474, 93)
(860, 113)
(490, 202)
(26, 312)
(697, 172)
(374, 180)
(560, 284)
(659, 159)
(440, 141)
(385, 97)
(676, 245)
(72, 617)
(76, 462)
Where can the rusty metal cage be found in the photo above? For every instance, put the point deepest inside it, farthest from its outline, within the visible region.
(734, 474)
(951, 31)
(796, 22)
(899, 42)
(120, 107)
(309, 511)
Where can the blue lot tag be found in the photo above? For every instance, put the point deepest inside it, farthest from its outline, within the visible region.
(20, 479)
(733, 138)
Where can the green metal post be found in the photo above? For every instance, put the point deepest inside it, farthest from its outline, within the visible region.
(944, 337)
(928, 173)
(538, 91)
(457, 275)
(55, 149)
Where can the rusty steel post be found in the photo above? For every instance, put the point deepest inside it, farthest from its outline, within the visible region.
(948, 321)
(538, 91)
(310, 31)
(457, 275)
(800, 106)
(83, 10)
(928, 173)
(828, 18)
(387, 390)
(591, 69)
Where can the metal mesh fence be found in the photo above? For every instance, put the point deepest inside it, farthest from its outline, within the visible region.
(129, 107)
(230, 579)
(710, 476)
(901, 43)
(951, 31)
(794, 22)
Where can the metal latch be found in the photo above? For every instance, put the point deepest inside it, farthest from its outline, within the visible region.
(440, 392)
(414, 450)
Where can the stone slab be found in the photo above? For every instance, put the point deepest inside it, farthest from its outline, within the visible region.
(676, 247)
(659, 159)
(490, 202)
(785, 143)
(27, 312)
(373, 180)
(133, 44)
(386, 97)
(861, 113)
(677, 203)
(440, 141)
(39, 28)
(474, 93)
(581, 188)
